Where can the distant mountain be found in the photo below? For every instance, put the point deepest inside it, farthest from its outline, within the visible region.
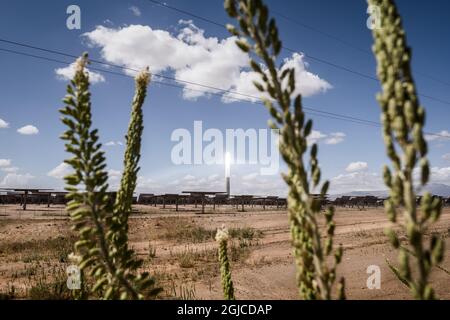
(379, 194)
(437, 189)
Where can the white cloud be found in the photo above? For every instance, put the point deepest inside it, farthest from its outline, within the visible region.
(191, 182)
(213, 177)
(62, 170)
(315, 136)
(28, 130)
(113, 143)
(250, 176)
(108, 22)
(357, 166)
(357, 181)
(308, 84)
(243, 183)
(10, 169)
(12, 180)
(114, 175)
(446, 156)
(335, 138)
(256, 184)
(138, 46)
(444, 135)
(5, 165)
(67, 73)
(5, 162)
(192, 57)
(3, 124)
(135, 10)
(437, 175)
(440, 175)
(147, 185)
(362, 180)
(189, 177)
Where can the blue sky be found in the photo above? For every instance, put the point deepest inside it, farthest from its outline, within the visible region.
(135, 33)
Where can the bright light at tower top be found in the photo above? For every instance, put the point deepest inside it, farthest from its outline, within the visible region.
(227, 164)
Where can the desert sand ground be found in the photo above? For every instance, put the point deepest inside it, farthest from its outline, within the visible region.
(179, 249)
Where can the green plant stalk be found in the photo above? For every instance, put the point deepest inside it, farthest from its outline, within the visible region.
(403, 120)
(89, 205)
(122, 207)
(225, 272)
(315, 277)
(133, 148)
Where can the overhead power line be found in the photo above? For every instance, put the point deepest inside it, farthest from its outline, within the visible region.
(345, 42)
(222, 91)
(317, 59)
(136, 70)
(311, 111)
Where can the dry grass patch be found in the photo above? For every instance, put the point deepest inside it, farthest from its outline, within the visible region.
(185, 230)
(35, 250)
(49, 285)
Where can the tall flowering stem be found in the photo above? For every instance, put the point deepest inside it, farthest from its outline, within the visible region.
(225, 272)
(403, 120)
(101, 234)
(123, 256)
(133, 148)
(258, 35)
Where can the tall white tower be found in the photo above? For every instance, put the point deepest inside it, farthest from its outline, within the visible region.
(227, 172)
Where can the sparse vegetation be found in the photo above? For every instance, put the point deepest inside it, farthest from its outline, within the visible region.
(184, 230)
(245, 233)
(49, 285)
(255, 264)
(189, 258)
(183, 292)
(38, 250)
(186, 258)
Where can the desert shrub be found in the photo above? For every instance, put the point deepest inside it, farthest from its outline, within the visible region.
(258, 35)
(403, 119)
(240, 250)
(246, 233)
(183, 292)
(200, 234)
(49, 286)
(187, 258)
